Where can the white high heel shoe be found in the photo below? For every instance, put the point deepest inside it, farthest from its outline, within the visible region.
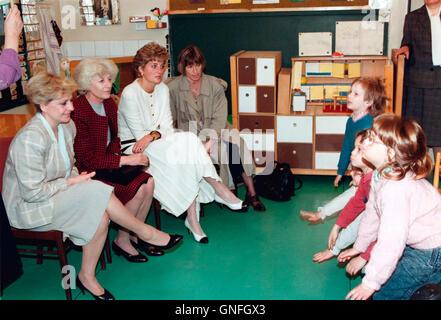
(240, 206)
(199, 238)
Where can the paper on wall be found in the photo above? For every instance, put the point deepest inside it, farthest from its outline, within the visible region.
(315, 44)
(359, 37)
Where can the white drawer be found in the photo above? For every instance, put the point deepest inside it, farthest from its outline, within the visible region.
(265, 73)
(330, 125)
(259, 141)
(326, 160)
(294, 129)
(247, 99)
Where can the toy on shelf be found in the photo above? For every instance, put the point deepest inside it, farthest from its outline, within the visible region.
(65, 68)
(337, 105)
(159, 15)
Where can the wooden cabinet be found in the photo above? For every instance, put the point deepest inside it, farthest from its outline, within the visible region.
(254, 87)
(311, 140)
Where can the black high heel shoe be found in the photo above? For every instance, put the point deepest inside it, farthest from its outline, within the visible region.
(149, 250)
(130, 257)
(255, 202)
(174, 240)
(105, 296)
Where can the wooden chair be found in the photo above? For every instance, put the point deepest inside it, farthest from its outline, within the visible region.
(44, 238)
(157, 208)
(436, 171)
(399, 65)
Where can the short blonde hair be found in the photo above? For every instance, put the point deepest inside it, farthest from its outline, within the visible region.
(374, 91)
(149, 52)
(45, 87)
(91, 67)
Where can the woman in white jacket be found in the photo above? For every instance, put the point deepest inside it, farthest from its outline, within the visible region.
(183, 171)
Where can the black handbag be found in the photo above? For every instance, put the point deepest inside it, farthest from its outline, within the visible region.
(279, 185)
(123, 175)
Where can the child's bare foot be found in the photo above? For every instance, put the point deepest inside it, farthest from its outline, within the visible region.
(323, 256)
(311, 216)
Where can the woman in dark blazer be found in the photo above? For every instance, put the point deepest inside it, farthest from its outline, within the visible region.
(422, 91)
(98, 148)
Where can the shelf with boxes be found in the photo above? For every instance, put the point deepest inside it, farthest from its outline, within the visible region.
(307, 135)
(254, 87)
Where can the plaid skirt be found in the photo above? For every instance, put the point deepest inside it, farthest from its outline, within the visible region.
(424, 106)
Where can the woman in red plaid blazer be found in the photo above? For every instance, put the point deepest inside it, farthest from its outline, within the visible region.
(98, 147)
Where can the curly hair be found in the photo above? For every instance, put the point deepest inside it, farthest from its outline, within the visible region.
(375, 92)
(149, 52)
(408, 140)
(91, 67)
(45, 87)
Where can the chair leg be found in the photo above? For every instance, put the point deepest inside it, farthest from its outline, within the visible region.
(63, 262)
(108, 251)
(39, 254)
(103, 260)
(201, 210)
(157, 207)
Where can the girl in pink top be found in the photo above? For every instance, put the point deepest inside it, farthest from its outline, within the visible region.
(403, 214)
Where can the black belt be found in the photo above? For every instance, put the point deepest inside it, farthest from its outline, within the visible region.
(127, 142)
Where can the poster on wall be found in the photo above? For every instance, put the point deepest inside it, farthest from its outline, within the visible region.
(99, 12)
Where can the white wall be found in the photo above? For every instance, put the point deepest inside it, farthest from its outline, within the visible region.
(396, 24)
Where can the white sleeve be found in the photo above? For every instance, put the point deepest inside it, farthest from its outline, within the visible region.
(166, 121)
(338, 203)
(129, 113)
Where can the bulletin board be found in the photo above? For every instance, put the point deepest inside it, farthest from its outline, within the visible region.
(213, 6)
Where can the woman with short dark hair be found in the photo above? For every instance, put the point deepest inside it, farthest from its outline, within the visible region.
(198, 103)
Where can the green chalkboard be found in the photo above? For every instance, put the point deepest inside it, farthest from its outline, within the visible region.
(222, 34)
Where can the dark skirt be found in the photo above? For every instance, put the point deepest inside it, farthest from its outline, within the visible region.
(125, 193)
(424, 106)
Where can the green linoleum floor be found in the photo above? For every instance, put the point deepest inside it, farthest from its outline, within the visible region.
(250, 255)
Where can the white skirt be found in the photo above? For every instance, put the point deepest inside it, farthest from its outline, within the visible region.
(179, 163)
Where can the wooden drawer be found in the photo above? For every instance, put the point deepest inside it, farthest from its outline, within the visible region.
(329, 142)
(263, 158)
(256, 122)
(294, 129)
(330, 124)
(259, 141)
(266, 74)
(326, 160)
(298, 155)
(247, 71)
(247, 99)
(265, 99)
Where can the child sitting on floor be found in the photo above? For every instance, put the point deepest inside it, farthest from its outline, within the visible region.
(403, 214)
(336, 204)
(350, 217)
(367, 99)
